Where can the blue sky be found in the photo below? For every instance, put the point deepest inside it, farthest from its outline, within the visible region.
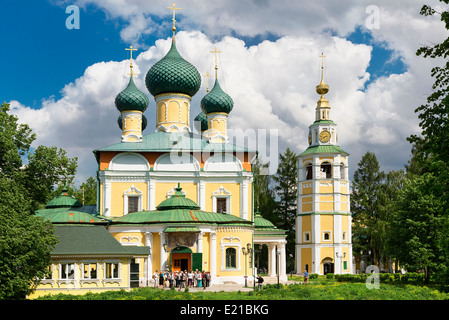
(51, 74)
(43, 51)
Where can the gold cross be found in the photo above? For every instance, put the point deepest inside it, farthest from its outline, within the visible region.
(131, 49)
(174, 16)
(216, 66)
(322, 64)
(207, 75)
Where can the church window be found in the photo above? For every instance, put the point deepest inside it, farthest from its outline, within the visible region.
(326, 236)
(90, 271)
(133, 204)
(343, 236)
(342, 171)
(231, 258)
(326, 170)
(67, 271)
(309, 172)
(306, 236)
(221, 205)
(112, 271)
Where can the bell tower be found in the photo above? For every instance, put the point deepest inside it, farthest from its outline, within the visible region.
(323, 222)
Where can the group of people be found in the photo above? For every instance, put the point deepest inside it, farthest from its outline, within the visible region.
(181, 279)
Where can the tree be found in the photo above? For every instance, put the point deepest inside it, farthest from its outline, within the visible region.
(264, 198)
(433, 145)
(26, 241)
(47, 166)
(87, 192)
(366, 201)
(286, 186)
(418, 227)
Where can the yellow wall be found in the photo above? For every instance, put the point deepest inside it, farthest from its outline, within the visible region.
(241, 237)
(306, 258)
(233, 188)
(117, 196)
(327, 224)
(78, 286)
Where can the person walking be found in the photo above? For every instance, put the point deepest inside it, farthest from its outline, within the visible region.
(190, 279)
(306, 277)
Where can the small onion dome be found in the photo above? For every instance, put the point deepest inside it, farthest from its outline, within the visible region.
(173, 74)
(64, 200)
(178, 201)
(202, 118)
(131, 98)
(120, 122)
(217, 101)
(322, 88)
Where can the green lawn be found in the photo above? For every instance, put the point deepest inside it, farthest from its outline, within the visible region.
(316, 290)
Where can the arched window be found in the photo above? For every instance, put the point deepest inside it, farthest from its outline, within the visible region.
(231, 258)
(309, 172)
(326, 170)
(342, 171)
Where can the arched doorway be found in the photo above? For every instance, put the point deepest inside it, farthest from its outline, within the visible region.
(181, 259)
(328, 265)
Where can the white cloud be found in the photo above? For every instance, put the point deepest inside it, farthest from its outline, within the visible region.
(272, 83)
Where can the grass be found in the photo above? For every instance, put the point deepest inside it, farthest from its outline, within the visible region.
(320, 289)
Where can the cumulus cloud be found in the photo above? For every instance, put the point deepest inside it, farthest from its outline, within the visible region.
(272, 83)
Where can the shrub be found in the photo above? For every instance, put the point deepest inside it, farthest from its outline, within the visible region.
(313, 276)
(330, 276)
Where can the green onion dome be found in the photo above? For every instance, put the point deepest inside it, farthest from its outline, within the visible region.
(173, 74)
(202, 118)
(217, 101)
(120, 122)
(131, 98)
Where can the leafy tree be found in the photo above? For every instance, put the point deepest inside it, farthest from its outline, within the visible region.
(46, 167)
(418, 227)
(26, 241)
(87, 192)
(433, 145)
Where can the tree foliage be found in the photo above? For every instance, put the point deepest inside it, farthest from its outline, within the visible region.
(26, 241)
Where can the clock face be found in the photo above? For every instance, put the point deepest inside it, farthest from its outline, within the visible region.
(325, 136)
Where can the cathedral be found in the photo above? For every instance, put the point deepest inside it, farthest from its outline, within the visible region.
(179, 200)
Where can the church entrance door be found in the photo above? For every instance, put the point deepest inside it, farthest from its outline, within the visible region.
(181, 261)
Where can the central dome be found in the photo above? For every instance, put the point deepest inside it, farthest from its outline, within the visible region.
(173, 74)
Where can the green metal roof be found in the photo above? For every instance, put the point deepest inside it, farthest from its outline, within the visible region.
(64, 200)
(72, 215)
(217, 101)
(177, 201)
(91, 240)
(173, 74)
(181, 229)
(168, 141)
(324, 149)
(263, 224)
(131, 98)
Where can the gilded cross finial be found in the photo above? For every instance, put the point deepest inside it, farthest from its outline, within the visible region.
(131, 49)
(322, 65)
(174, 17)
(216, 63)
(207, 75)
